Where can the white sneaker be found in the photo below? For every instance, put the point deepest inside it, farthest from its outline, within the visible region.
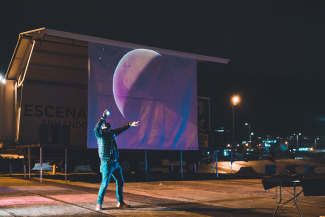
(123, 205)
(99, 207)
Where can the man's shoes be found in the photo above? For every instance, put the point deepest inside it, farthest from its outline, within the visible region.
(123, 205)
(99, 207)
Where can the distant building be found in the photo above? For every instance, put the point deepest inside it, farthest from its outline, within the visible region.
(286, 145)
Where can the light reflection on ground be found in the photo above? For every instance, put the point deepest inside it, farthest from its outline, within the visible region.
(25, 200)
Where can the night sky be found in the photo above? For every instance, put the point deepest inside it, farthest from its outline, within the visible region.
(276, 50)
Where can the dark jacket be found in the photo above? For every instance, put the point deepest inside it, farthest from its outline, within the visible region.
(106, 140)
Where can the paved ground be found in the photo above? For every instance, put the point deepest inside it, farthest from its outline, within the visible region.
(259, 166)
(217, 197)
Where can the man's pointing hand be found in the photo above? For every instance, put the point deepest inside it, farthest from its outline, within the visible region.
(134, 124)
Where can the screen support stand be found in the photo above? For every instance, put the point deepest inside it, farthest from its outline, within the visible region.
(231, 161)
(40, 163)
(66, 161)
(217, 163)
(29, 162)
(145, 156)
(214, 153)
(146, 163)
(182, 164)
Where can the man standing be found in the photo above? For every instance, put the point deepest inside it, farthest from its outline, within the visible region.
(108, 154)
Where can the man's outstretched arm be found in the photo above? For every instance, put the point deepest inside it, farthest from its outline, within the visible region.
(120, 130)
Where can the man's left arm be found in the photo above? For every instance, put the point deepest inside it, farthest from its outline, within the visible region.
(120, 130)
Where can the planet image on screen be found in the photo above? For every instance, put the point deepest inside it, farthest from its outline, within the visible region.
(135, 79)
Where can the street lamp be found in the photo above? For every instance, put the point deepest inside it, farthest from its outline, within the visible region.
(297, 142)
(250, 133)
(249, 130)
(235, 100)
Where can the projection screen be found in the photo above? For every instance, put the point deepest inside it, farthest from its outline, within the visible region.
(158, 90)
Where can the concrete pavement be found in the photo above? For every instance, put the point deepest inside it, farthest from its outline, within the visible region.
(222, 196)
(235, 197)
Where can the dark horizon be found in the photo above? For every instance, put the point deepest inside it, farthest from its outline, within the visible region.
(276, 51)
(269, 104)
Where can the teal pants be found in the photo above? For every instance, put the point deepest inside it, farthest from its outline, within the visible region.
(107, 169)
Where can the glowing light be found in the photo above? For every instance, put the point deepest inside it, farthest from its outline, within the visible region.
(246, 124)
(235, 100)
(3, 81)
(246, 144)
(286, 142)
(299, 134)
(228, 145)
(9, 156)
(304, 149)
(252, 134)
(269, 141)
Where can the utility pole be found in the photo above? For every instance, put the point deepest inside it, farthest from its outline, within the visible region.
(297, 145)
(235, 100)
(315, 143)
(233, 125)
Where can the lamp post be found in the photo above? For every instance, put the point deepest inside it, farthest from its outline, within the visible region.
(315, 143)
(249, 130)
(297, 143)
(235, 100)
(250, 137)
(245, 152)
